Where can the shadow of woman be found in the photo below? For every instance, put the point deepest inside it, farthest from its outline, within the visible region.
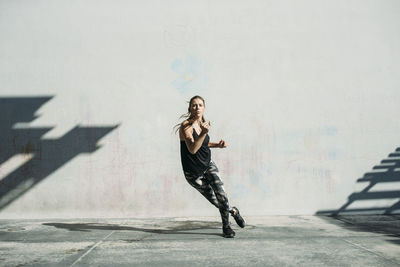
(181, 227)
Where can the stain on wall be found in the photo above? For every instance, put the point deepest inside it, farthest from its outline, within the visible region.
(191, 75)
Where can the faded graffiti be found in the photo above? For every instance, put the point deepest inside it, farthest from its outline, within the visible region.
(191, 75)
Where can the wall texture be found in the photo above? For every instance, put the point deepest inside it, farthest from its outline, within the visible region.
(305, 93)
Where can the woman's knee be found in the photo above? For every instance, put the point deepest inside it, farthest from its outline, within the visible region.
(223, 200)
(197, 182)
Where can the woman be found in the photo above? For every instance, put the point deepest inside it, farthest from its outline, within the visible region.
(200, 171)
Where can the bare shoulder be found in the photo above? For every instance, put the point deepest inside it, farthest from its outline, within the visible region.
(185, 130)
(185, 123)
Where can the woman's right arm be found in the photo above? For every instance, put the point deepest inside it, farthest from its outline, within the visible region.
(187, 133)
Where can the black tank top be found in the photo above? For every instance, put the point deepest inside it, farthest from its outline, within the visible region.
(196, 163)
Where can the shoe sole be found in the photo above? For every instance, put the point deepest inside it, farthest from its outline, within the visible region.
(243, 224)
(228, 236)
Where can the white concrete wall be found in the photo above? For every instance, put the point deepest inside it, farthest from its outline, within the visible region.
(306, 94)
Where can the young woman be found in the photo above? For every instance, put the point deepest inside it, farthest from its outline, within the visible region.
(199, 170)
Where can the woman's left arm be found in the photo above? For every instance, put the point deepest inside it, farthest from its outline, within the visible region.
(221, 144)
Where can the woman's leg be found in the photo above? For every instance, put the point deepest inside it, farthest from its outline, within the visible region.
(201, 184)
(211, 187)
(212, 175)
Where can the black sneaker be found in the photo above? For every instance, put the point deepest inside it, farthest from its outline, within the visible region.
(239, 220)
(228, 232)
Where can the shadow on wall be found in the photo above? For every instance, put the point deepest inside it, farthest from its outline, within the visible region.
(45, 155)
(388, 171)
(381, 220)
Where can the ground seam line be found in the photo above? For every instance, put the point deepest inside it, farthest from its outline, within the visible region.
(364, 248)
(93, 247)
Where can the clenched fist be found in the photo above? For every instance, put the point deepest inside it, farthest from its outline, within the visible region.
(222, 144)
(205, 127)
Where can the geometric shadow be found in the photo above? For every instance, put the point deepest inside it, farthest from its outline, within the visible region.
(47, 154)
(387, 171)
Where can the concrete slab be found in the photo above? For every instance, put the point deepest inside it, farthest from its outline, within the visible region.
(266, 241)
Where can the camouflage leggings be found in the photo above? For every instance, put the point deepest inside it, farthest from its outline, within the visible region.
(211, 187)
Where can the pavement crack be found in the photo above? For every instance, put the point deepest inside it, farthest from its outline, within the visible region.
(93, 247)
(370, 251)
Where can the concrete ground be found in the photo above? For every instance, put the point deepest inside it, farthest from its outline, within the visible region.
(266, 241)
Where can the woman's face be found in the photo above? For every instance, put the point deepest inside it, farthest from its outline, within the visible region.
(197, 108)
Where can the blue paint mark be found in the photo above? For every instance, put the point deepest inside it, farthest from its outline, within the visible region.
(330, 131)
(257, 178)
(332, 154)
(191, 75)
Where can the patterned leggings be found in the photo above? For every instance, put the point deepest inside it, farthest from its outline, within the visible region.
(211, 187)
